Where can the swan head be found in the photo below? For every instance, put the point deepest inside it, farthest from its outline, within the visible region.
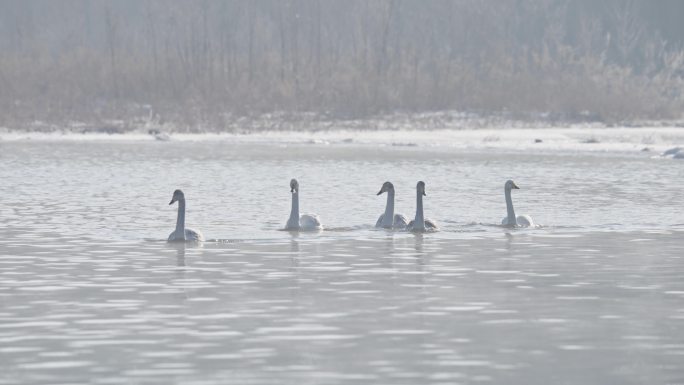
(177, 196)
(294, 186)
(510, 185)
(420, 187)
(386, 187)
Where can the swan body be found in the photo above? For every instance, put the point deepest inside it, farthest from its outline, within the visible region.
(421, 224)
(181, 233)
(304, 222)
(673, 151)
(520, 221)
(428, 226)
(190, 236)
(511, 220)
(309, 222)
(398, 223)
(388, 219)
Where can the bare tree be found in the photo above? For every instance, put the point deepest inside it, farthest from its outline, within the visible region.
(195, 62)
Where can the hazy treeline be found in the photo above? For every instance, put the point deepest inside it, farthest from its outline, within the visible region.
(211, 60)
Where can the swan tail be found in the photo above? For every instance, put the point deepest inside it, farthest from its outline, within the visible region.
(400, 221)
(310, 222)
(193, 235)
(525, 221)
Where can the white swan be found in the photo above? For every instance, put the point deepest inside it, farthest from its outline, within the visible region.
(674, 153)
(305, 222)
(420, 225)
(390, 220)
(183, 234)
(511, 220)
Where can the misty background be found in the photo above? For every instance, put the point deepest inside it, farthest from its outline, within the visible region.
(209, 63)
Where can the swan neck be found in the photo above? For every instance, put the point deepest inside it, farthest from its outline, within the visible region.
(509, 208)
(419, 221)
(180, 221)
(294, 212)
(389, 209)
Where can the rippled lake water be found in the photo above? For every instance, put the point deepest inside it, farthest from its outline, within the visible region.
(90, 292)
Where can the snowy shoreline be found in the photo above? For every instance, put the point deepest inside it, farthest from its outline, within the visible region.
(283, 121)
(653, 140)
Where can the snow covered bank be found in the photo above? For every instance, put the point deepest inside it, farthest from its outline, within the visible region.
(654, 140)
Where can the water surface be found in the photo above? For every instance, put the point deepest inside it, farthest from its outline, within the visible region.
(91, 293)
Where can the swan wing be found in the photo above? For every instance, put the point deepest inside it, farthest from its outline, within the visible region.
(673, 151)
(173, 237)
(525, 221)
(379, 222)
(190, 236)
(400, 221)
(193, 235)
(310, 222)
(430, 225)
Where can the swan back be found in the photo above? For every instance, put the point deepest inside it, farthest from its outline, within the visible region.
(429, 225)
(310, 222)
(520, 221)
(190, 236)
(399, 223)
(525, 221)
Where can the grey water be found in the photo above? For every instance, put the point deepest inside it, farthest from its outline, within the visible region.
(90, 292)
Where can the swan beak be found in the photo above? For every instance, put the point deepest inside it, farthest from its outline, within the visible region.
(515, 186)
(172, 202)
(380, 192)
(292, 190)
(424, 194)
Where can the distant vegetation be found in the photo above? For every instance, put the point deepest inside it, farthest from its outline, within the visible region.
(208, 62)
